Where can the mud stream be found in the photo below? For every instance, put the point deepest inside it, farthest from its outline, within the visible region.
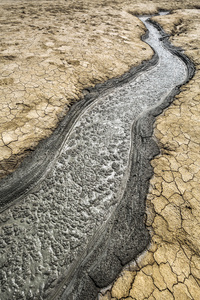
(45, 234)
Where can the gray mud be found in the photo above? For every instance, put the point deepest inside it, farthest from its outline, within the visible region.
(69, 229)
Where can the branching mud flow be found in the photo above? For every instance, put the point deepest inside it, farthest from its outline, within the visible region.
(70, 234)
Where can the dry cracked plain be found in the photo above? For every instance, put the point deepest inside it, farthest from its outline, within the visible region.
(47, 59)
(61, 214)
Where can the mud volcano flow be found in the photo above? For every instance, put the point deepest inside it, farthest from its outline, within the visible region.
(74, 215)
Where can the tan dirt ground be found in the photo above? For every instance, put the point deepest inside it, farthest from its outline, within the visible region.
(51, 50)
(170, 269)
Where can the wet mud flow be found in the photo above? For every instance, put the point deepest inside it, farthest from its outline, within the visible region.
(66, 237)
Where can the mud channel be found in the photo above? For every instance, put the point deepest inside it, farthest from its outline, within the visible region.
(63, 238)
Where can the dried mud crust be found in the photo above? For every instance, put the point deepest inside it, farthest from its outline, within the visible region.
(45, 204)
(176, 260)
(170, 268)
(50, 51)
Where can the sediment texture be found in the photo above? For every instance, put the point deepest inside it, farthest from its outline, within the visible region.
(54, 224)
(170, 268)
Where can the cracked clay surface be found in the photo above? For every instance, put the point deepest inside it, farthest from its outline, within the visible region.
(35, 51)
(55, 222)
(170, 268)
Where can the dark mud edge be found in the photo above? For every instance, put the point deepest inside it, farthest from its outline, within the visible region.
(124, 236)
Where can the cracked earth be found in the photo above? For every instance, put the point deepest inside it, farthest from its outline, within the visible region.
(170, 268)
(42, 75)
(96, 158)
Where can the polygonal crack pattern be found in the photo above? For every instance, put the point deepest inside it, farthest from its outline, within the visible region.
(47, 231)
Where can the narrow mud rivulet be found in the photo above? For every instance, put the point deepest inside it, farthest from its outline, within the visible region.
(100, 175)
